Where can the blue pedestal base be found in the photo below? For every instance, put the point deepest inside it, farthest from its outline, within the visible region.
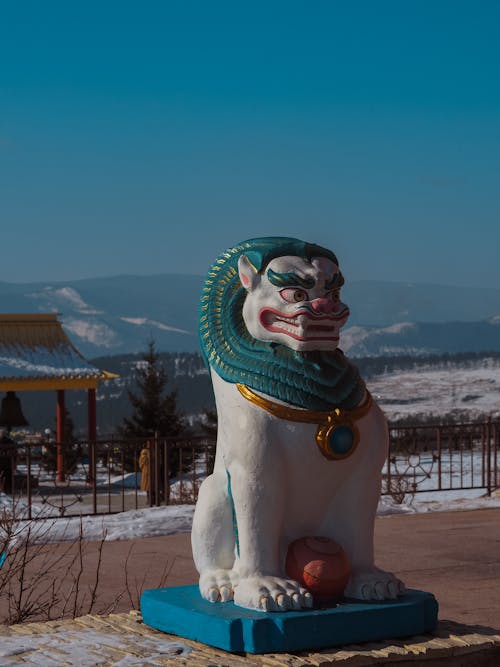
(182, 611)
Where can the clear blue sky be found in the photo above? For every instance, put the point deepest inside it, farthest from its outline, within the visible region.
(145, 137)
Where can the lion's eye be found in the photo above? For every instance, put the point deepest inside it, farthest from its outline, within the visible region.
(334, 296)
(291, 295)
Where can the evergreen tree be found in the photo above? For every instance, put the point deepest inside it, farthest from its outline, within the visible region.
(154, 411)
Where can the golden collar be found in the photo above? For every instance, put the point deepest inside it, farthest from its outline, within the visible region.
(337, 435)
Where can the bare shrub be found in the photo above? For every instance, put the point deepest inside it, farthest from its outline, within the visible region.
(134, 586)
(398, 487)
(43, 581)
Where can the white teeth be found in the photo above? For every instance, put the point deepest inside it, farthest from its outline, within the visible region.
(287, 322)
(297, 328)
(285, 326)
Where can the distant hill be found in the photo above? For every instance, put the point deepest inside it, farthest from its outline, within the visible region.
(116, 315)
(468, 383)
(421, 338)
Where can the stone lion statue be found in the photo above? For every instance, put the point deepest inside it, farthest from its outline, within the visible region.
(301, 443)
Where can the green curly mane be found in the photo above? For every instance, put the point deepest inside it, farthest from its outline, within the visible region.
(318, 380)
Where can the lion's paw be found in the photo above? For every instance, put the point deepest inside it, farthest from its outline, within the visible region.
(374, 584)
(271, 594)
(217, 585)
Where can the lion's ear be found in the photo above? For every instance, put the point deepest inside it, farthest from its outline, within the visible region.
(249, 276)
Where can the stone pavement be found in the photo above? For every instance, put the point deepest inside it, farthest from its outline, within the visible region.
(455, 555)
(122, 640)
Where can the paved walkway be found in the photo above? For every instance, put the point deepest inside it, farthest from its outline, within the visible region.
(455, 555)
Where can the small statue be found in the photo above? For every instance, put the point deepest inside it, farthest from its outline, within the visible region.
(301, 443)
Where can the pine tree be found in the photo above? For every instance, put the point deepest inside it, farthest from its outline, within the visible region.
(154, 410)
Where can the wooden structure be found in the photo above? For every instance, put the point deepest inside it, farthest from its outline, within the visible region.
(37, 355)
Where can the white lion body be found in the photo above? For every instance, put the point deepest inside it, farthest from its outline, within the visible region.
(271, 485)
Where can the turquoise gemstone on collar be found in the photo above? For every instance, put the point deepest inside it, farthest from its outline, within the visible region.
(341, 440)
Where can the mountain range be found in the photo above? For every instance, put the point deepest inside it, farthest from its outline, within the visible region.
(117, 315)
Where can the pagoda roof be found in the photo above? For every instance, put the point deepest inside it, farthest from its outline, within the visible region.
(36, 354)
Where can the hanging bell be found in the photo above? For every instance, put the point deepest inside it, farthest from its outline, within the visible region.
(11, 413)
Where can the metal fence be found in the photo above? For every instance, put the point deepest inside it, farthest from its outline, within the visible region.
(448, 457)
(103, 477)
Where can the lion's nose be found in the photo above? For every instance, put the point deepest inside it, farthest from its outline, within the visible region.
(323, 305)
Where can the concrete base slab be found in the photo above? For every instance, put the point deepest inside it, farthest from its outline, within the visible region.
(182, 611)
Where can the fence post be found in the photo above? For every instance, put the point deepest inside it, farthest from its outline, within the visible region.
(61, 444)
(28, 478)
(164, 482)
(167, 445)
(93, 472)
(389, 456)
(488, 456)
(438, 442)
(156, 470)
(92, 438)
(495, 453)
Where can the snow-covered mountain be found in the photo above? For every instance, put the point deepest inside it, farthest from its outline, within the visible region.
(419, 339)
(120, 314)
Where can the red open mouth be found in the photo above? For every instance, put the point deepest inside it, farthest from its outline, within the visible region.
(303, 325)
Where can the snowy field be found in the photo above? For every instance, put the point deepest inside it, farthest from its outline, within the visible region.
(471, 391)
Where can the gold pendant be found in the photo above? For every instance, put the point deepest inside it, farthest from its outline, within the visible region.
(338, 437)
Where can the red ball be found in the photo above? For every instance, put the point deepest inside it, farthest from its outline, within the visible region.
(320, 565)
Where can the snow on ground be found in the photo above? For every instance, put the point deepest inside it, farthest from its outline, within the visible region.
(129, 525)
(171, 519)
(440, 501)
(87, 648)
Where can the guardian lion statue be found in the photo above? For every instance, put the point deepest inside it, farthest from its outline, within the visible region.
(300, 444)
